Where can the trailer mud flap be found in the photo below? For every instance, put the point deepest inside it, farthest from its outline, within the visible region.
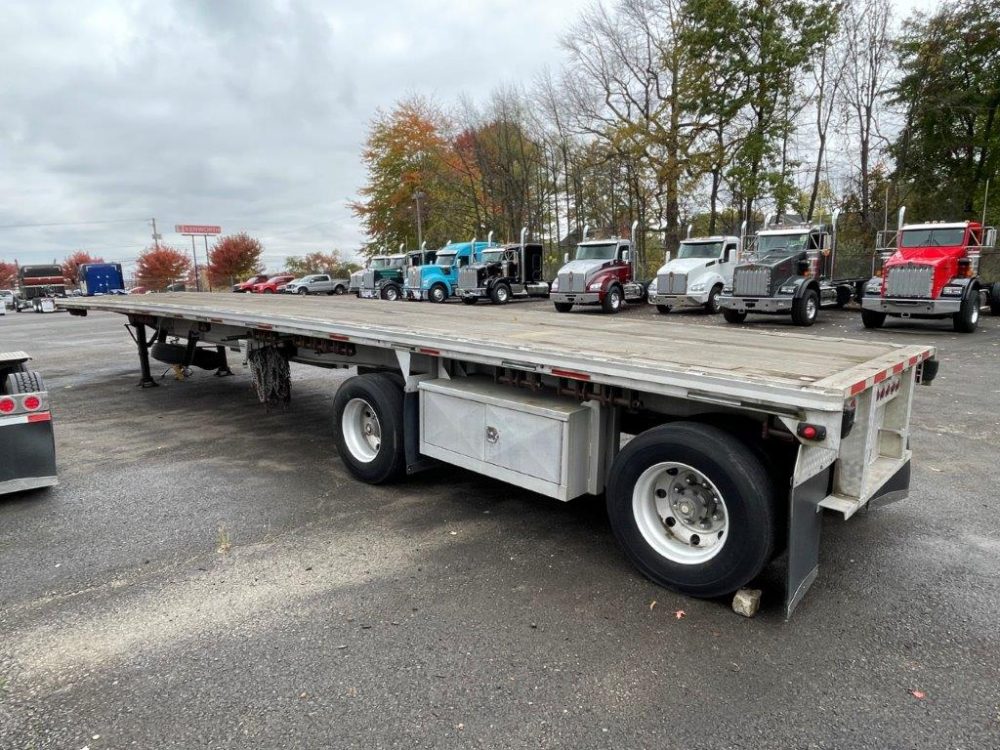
(411, 435)
(27, 456)
(804, 522)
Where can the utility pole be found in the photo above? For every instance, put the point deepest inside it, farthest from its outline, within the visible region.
(194, 254)
(156, 235)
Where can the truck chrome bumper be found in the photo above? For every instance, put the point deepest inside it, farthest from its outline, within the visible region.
(479, 292)
(757, 304)
(895, 306)
(576, 298)
(369, 293)
(678, 300)
(415, 294)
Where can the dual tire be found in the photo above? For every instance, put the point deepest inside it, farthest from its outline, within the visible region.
(368, 419)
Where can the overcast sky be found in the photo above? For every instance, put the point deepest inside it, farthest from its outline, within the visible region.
(249, 114)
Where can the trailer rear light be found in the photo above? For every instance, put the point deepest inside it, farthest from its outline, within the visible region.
(807, 431)
(31, 403)
(7, 405)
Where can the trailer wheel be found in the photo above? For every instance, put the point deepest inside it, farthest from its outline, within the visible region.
(967, 317)
(693, 508)
(805, 309)
(368, 414)
(500, 293)
(563, 306)
(733, 316)
(612, 301)
(663, 309)
(24, 381)
(995, 298)
(389, 292)
(470, 300)
(872, 318)
(437, 293)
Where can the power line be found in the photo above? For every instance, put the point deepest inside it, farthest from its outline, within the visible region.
(70, 223)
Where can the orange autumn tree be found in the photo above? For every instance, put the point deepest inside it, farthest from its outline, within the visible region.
(8, 274)
(234, 258)
(159, 267)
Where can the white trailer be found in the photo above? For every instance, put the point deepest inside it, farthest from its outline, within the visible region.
(716, 448)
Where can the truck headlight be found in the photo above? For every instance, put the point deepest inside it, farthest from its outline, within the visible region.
(952, 291)
(787, 289)
(651, 289)
(596, 286)
(697, 287)
(874, 286)
(728, 290)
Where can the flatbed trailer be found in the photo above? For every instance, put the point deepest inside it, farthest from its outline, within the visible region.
(716, 448)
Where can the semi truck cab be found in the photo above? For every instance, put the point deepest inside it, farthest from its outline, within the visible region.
(602, 272)
(438, 280)
(504, 272)
(696, 277)
(387, 281)
(928, 271)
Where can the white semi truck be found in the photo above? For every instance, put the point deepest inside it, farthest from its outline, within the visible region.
(696, 277)
(737, 439)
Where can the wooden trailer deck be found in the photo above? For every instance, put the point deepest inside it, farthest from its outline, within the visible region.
(793, 369)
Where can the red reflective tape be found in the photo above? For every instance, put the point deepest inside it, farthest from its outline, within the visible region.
(265, 326)
(858, 387)
(914, 360)
(338, 337)
(215, 320)
(897, 369)
(880, 376)
(570, 374)
(432, 352)
(44, 416)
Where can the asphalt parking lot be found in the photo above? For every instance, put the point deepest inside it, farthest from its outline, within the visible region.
(207, 575)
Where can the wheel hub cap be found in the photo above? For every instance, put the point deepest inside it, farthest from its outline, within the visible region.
(362, 430)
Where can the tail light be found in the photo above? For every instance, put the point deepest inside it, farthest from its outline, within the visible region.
(31, 403)
(7, 405)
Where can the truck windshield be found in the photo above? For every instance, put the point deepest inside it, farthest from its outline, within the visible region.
(492, 256)
(781, 244)
(379, 263)
(937, 237)
(397, 261)
(445, 261)
(604, 251)
(700, 250)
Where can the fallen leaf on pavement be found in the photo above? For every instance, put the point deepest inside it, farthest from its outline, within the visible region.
(918, 694)
(680, 614)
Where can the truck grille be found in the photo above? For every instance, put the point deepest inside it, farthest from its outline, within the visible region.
(468, 278)
(413, 277)
(368, 280)
(572, 282)
(911, 280)
(752, 281)
(671, 283)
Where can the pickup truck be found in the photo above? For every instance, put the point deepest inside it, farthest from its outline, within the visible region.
(245, 287)
(714, 451)
(317, 283)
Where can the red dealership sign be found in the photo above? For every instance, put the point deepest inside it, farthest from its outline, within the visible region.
(197, 229)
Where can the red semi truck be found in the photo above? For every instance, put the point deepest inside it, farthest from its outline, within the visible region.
(931, 271)
(602, 272)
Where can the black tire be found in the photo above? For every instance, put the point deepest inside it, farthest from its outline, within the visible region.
(739, 477)
(872, 318)
(733, 316)
(663, 309)
(500, 293)
(339, 289)
(712, 304)
(470, 300)
(173, 354)
(390, 292)
(614, 299)
(805, 309)
(563, 306)
(995, 298)
(967, 318)
(383, 394)
(437, 293)
(302, 290)
(24, 381)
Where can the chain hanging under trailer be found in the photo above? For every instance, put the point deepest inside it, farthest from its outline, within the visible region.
(269, 372)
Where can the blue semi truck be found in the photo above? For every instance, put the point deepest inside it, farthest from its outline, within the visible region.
(438, 281)
(101, 278)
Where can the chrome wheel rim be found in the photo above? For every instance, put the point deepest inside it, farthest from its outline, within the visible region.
(616, 299)
(680, 513)
(361, 429)
(974, 318)
(502, 294)
(437, 294)
(811, 308)
(391, 294)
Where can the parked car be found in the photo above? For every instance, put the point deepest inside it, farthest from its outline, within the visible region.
(7, 299)
(271, 285)
(248, 285)
(317, 283)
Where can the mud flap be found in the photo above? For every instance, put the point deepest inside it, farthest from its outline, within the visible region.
(411, 435)
(804, 523)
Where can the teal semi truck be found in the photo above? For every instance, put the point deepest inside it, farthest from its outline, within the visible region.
(438, 281)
